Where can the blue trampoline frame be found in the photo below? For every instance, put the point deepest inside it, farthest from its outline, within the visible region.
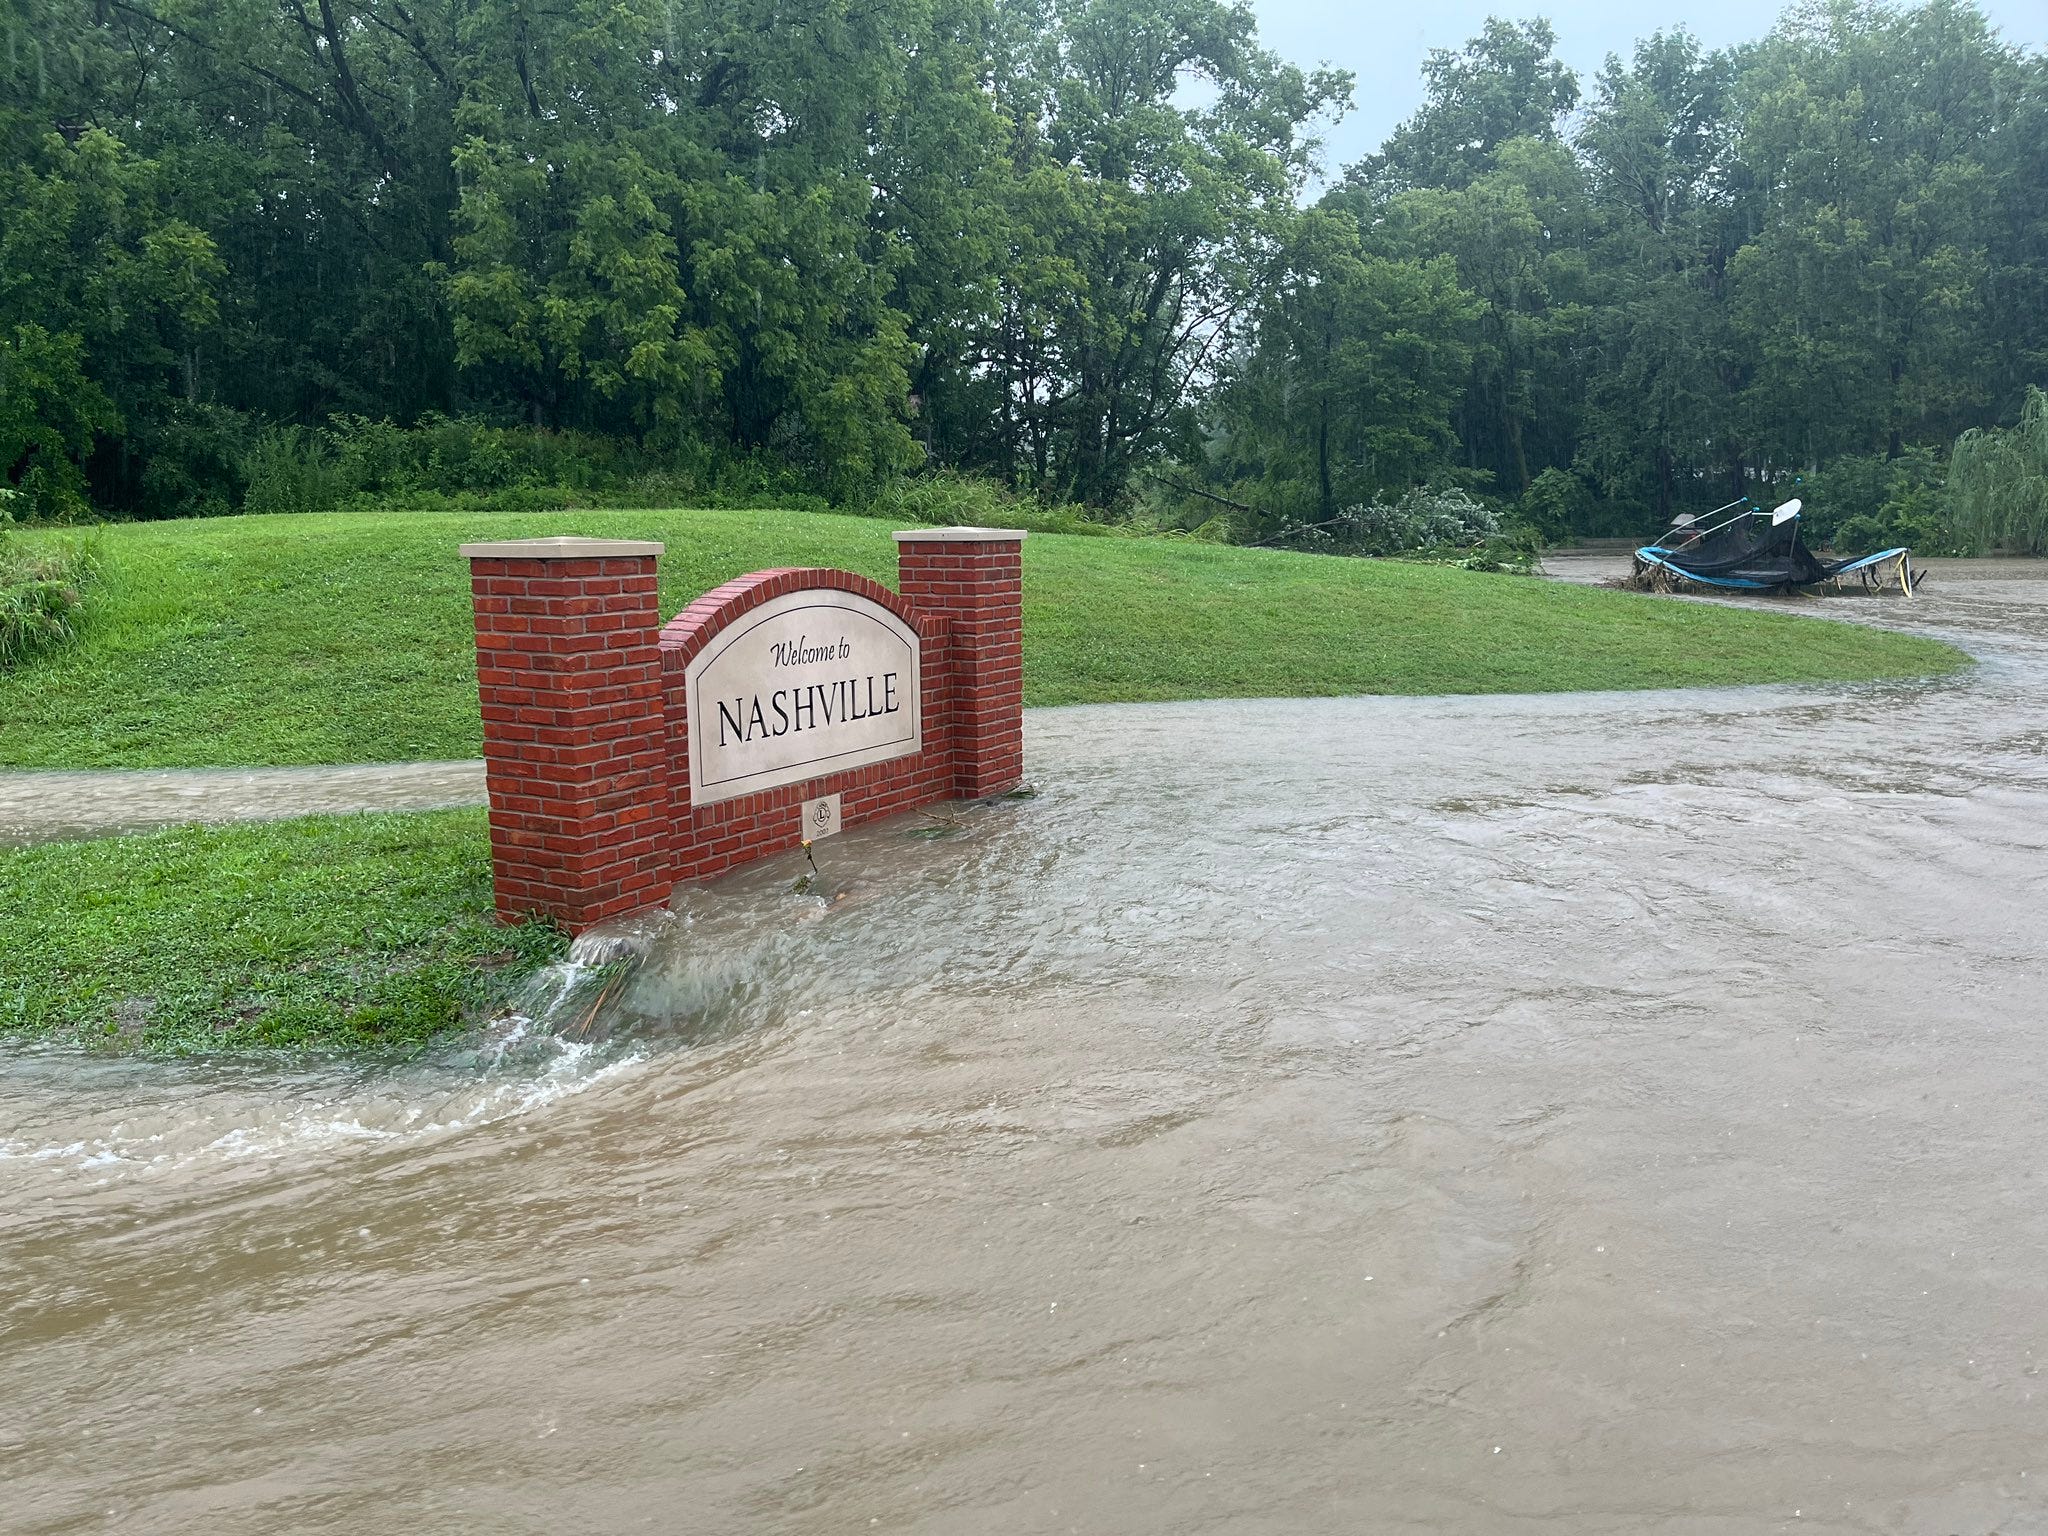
(1654, 554)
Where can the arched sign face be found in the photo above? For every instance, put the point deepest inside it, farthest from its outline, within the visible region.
(807, 684)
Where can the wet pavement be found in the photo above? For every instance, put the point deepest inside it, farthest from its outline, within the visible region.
(1566, 1113)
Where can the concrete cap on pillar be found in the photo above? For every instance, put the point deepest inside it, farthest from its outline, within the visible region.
(562, 547)
(957, 535)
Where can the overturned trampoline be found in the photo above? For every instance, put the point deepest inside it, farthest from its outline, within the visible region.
(1757, 550)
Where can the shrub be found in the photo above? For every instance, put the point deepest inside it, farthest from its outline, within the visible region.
(1864, 502)
(43, 593)
(945, 499)
(291, 469)
(1558, 505)
(1999, 481)
(192, 461)
(1425, 518)
(357, 460)
(50, 412)
(460, 463)
(1849, 487)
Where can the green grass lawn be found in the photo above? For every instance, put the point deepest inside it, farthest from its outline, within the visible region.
(346, 637)
(365, 933)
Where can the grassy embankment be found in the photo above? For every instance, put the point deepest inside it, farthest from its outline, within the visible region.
(346, 639)
(362, 932)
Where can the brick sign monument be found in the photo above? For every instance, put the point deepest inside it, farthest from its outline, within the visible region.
(625, 756)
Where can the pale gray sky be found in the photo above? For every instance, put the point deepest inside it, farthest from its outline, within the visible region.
(1384, 43)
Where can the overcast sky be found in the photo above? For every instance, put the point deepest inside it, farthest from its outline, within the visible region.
(1383, 43)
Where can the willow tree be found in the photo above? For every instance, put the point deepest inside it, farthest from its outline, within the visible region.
(1998, 481)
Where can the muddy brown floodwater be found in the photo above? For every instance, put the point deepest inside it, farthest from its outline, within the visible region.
(1594, 1113)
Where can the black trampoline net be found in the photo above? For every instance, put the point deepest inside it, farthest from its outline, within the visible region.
(1750, 548)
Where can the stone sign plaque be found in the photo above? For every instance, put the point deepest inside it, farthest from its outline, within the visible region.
(809, 683)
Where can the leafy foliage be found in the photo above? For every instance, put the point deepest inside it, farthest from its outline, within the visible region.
(357, 461)
(1867, 502)
(1503, 85)
(89, 245)
(1740, 268)
(946, 500)
(1428, 518)
(282, 256)
(1354, 370)
(1999, 481)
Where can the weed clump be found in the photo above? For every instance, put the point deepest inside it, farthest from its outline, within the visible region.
(44, 593)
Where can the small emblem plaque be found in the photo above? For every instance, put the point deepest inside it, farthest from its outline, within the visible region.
(821, 817)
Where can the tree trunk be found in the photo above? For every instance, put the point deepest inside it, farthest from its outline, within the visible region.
(1328, 500)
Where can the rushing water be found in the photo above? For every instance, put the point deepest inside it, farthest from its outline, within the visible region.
(1596, 1113)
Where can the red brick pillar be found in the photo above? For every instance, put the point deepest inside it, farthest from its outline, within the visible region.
(569, 677)
(973, 578)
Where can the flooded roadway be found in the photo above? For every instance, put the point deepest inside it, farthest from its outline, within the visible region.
(1590, 1113)
(41, 805)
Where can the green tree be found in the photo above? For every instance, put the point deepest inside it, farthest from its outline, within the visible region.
(1480, 174)
(1505, 84)
(1355, 366)
(101, 294)
(1860, 300)
(668, 225)
(2016, 252)
(1055, 241)
(1658, 143)
(1518, 234)
(1998, 481)
(1137, 225)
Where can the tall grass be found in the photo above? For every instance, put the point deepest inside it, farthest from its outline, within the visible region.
(43, 596)
(945, 499)
(293, 469)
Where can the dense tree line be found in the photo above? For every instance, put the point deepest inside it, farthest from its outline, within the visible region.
(1059, 243)
(1715, 274)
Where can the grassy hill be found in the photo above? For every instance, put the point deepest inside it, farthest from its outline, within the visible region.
(346, 637)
